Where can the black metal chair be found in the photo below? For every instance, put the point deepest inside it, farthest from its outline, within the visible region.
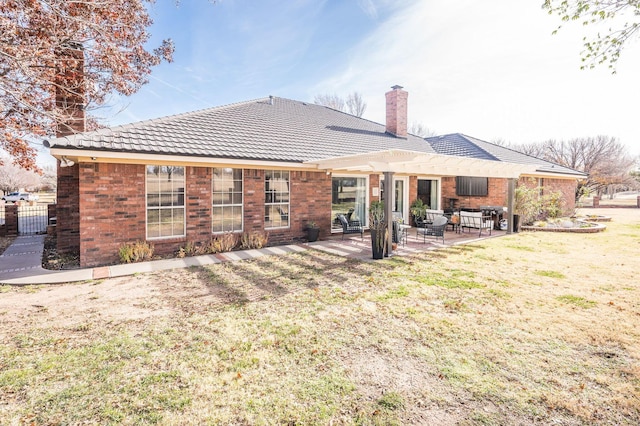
(436, 229)
(350, 227)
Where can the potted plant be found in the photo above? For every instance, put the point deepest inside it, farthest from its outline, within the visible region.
(418, 210)
(378, 229)
(313, 231)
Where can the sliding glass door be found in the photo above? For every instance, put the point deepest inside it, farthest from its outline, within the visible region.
(349, 197)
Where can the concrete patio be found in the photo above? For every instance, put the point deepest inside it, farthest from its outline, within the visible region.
(360, 248)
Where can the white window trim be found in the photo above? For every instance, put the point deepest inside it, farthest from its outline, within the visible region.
(146, 207)
(241, 230)
(439, 191)
(288, 226)
(367, 202)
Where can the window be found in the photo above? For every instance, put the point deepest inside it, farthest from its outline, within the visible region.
(227, 200)
(472, 186)
(276, 199)
(428, 192)
(349, 197)
(165, 201)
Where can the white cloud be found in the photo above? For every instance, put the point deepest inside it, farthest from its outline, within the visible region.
(491, 70)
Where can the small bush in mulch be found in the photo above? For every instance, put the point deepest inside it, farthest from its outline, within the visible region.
(51, 259)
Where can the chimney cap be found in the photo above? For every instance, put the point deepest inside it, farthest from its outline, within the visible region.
(396, 87)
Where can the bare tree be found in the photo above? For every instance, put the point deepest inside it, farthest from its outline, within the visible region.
(533, 149)
(354, 104)
(421, 130)
(603, 158)
(48, 180)
(332, 101)
(15, 178)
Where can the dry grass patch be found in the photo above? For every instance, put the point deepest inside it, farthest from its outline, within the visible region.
(530, 328)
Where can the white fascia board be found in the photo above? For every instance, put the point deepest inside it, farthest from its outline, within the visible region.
(87, 156)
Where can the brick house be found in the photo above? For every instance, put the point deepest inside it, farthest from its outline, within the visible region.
(271, 165)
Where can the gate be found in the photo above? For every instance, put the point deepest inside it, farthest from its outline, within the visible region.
(32, 220)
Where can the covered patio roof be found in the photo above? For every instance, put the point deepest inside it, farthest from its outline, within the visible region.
(422, 163)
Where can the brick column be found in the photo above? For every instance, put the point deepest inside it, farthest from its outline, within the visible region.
(68, 209)
(11, 220)
(253, 200)
(596, 201)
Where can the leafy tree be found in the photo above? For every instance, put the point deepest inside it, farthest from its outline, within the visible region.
(605, 48)
(354, 104)
(85, 48)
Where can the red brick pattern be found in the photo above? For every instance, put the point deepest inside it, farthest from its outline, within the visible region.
(108, 203)
(68, 210)
(497, 194)
(374, 182)
(567, 187)
(10, 227)
(253, 181)
(112, 208)
(397, 101)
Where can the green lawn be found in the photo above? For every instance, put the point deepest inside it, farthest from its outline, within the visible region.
(533, 328)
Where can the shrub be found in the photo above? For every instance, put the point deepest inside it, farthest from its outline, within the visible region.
(254, 240)
(222, 243)
(216, 244)
(532, 206)
(135, 252)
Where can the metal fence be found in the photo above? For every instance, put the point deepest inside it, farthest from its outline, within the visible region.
(32, 220)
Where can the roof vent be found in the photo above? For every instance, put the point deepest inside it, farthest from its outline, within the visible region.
(270, 100)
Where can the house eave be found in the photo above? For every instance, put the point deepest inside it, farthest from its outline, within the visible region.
(96, 156)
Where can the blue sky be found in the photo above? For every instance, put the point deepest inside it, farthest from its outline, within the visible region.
(489, 69)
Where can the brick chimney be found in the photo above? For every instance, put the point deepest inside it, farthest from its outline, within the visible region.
(70, 90)
(70, 117)
(397, 111)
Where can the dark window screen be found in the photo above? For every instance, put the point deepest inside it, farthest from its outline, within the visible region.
(472, 186)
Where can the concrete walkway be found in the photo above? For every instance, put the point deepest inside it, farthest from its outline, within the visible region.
(21, 263)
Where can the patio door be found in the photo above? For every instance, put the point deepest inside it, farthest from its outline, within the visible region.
(400, 197)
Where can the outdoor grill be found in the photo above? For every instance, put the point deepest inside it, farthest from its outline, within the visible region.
(496, 213)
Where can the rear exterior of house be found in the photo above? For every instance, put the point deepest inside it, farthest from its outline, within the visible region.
(266, 165)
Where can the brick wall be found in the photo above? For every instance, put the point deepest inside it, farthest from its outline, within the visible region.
(497, 194)
(253, 200)
(10, 227)
(310, 201)
(374, 182)
(68, 212)
(112, 207)
(568, 189)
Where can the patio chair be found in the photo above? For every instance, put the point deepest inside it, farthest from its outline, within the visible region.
(436, 229)
(353, 227)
